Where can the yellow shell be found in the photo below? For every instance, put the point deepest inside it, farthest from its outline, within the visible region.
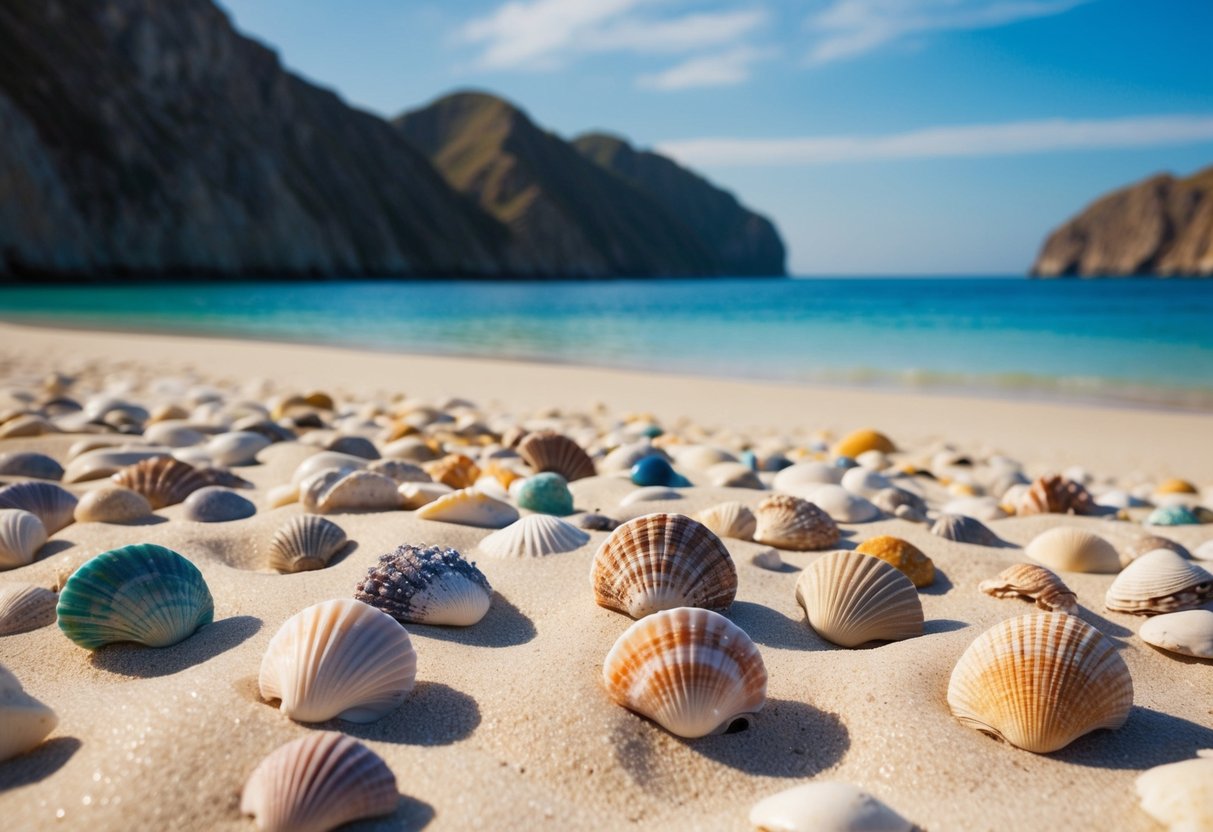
(861, 441)
(469, 507)
(455, 470)
(1034, 582)
(851, 599)
(1176, 486)
(901, 554)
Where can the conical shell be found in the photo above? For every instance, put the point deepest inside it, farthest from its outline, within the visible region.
(339, 490)
(469, 508)
(1180, 795)
(852, 598)
(1069, 549)
(305, 542)
(25, 607)
(338, 658)
(731, 519)
(53, 504)
(318, 782)
(142, 593)
(1056, 495)
(427, 585)
(825, 807)
(26, 721)
(1157, 582)
(1034, 582)
(548, 451)
(1040, 681)
(164, 481)
(787, 522)
(691, 671)
(964, 529)
(21, 535)
(534, 536)
(661, 561)
(1189, 632)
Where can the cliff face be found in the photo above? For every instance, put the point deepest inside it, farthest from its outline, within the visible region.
(1162, 226)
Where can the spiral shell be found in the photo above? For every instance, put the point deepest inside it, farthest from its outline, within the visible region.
(787, 522)
(304, 543)
(21, 535)
(342, 490)
(426, 585)
(549, 451)
(964, 529)
(469, 508)
(534, 536)
(52, 504)
(1157, 582)
(852, 598)
(692, 671)
(25, 607)
(164, 481)
(661, 561)
(1069, 549)
(338, 658)
(1040, 681)
(731, 519)
(26, 721)
(1034, 582)
(1056, 495)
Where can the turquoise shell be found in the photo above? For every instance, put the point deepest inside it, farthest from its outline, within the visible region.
(142, 593)
(654, 470)
(1172, 516)
(546, 493)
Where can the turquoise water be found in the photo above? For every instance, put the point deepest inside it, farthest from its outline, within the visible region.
(1145, 341)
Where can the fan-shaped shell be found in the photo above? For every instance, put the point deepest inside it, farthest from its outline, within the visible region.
(661, 561)
(339, 658)
(1180, 795)
(1034, 582)
(964, 529)
(53, 504)
(549, 451)
(112, 504)
(787, 522)
(142, 593)
(1189, 632)
(1040, 681)
(1157, 582)
(469, 508)
(305, 542)
(852, 598)
(825, 807)
(21, 535)
(317, 783)
(342, 490)
(1056, 495)
(534, 536)
(25, 607)
(26, 721)
(1148, 543)
(1069, 549)
(29, 464)
(427, 585)
(102, 462)
(164, 481)
(692, 671)
(731, 519)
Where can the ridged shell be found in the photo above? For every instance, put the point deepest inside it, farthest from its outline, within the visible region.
(304, 543)
(1034, 582)
(427, 585)
(787, 522)
(21, 535)
(338, 658)
(548, 451)
(1040, 681)
(317, 783)
(825, 807)
(964, 529)
(26, 721)
(852, 598)
(1069, 549)
(1148, 543)
(1157, 582)
(112, 504)
(349, 491)
(731, 519)
(164, 481)
(25, 607)
(99, 463)
(469, 508)
(691, 671)
(661, 561)
(1189, 632)
(53, 504)
(142, 593)
(534, 536)
(1180, 795)
(1056, 495)
(29, 464)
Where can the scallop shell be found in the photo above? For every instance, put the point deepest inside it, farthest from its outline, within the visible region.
(1180, 795)
(661, 561)
(142, 593)
(26, 721)
(427, 585)
(964, 529)
(534, 536)
(852, 598)
(53, 504)
(1056, 495)
(787, 522)
(21, 535)
(164, 481)
(1034, 582)
(1148, 543)
(1069, 549)
(825, 807)
(731, 519)
(317, 783)
(349, 491)
(1040, 681)
(469, 508)
(1157, 582)
(304, 543)
(549, 451)
(25, 607)
(339, 658)
(1189, 632)
(29, 464)
(692, 671)
(112, 504)
(215, 504)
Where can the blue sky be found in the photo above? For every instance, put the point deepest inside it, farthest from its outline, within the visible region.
(882, 136)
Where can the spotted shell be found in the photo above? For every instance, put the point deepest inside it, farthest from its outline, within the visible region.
(1157, 582)
(549, 451)
(964, 529)
(25, 607)
(305, 542)
(787, 522)
(26, 721)
(661, 561)
(164, 481)
(1148, 543)
(1056, 495)
(112, 504)
(142, 593)
(426, 585)
(53, 504)
(1040, 681)
(1180, 795)
(852, 598)
(1189, 632)
(534, 536)
(340, 490)
(731, 519)
(1069, 549)
(317, 783)
(21, 535)
(1034, 582)
(825, 807)
(469, 508)
(340, 658)
(692, 671)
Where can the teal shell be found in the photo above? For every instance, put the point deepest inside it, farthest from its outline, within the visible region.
(142, 593)
(1172, 516)
(546, 493)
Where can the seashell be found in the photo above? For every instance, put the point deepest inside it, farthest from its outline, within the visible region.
(550, 451)
(398, 471)
(317, 783)
(1189, 632)
(650, 493)
(52, 504)
(731, 519)
(410, 449)
(902, 555)
(692, 671)
(493, 487)
(802, 477)
(597, 522)
(1118, 499)
(1157, 582)
(1056, 495)
(142, 593)
(173, 434)
(304, 543)
(625, 456)
(282, 495)
(964, 529)
(340, 658)
(1179, 795)
(358, 446)
(215, 504)
(1204, 551)
(1069, 549)
(534, 536)
(426, 585)
(700, 457)
(236, 447)
(21, 536)
(39, 466)
(414, 495)
(112, 504)
(26, 721)
(349, 491)
(547, 493)
(1041, 681)
(787, 522)
(25, 425)
(767, 558)
(984, 509)
(469, 508)
(1174, 515)
(825, 807)
(25, 607)
(892, 500)
(1034, 582)
(1148, 543)
(657, 471)
(455, 470)
(873, 460)
(326, 461)
(852, 598)
(104, 462)
(864, 482)
(862, 441)
(163, 481)
(1176, 486)
(661, 561)
(842, 505)
(733, 475)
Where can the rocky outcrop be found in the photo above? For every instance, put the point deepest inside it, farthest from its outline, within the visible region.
(1162, 226)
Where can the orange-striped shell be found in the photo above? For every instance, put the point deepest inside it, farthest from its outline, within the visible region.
(1034, 582)
(1056, 495)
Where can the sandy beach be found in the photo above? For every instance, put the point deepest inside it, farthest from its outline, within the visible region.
(509, 726)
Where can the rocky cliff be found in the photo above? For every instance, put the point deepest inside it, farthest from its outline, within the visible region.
(1162, 226)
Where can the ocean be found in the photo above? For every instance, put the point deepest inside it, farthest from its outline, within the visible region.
(1145, 342)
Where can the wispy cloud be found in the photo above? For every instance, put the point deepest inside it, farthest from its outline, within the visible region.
(850, 28)
(718, 69)
(1007, 139)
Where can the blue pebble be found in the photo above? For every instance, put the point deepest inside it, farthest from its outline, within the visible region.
(655, 470)
(750, 460)
(845, 462)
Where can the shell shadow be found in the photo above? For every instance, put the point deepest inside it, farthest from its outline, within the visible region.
(411, 814)
(1150, 738)
(149, 520)
(942, 584)
(52, 548)
(504, 625)
(942, 625)
(1180, 657)
(772, 628)
(433, 714)
(1108, 628)
(38, 764)
(344, 552)
(147, 662)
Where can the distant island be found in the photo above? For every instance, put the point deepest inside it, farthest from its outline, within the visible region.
(153, 140)
(1161, 226)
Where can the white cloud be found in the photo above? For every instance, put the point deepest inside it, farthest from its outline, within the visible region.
(1008, 139)
(724, 69)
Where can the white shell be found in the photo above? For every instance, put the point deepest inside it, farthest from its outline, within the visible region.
(26, 721)
(649, 493)
(699, 457)
(767, 558)
(1071, 549)
(49, 502)
(731, 519)
(21, 535)
(805, 476)
(349, 491)
(236, 448)
(305, 542)
(1159, 581)
(534, 536)
(414, 495)
(1180, 795)
(851, 598)
(104, 462)
(864, 482)
(1189, 632)
(469, 507)
(979, 508)
(842, 505)
(327, 461)
(25, 607)
(825, 807)
(282, 495)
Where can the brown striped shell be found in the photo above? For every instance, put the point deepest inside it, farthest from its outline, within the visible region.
(1034, 582)
(305, 542)
(164, 481)
(550, 451)
(964, 529)
(788, 522)
(1056, 495)
(1157, 582)
(851, 599)
(25, 607)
